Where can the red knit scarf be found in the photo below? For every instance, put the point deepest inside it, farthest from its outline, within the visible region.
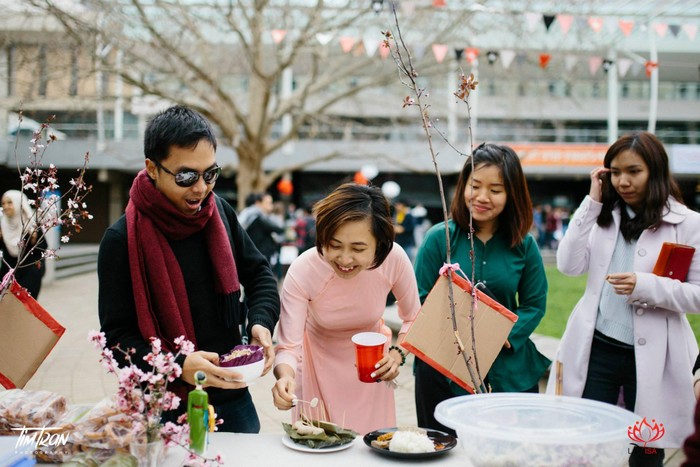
(162, 307)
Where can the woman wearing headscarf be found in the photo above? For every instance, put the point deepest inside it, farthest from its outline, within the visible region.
(20, 234)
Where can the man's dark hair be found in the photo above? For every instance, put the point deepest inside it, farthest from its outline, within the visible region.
(176, 126)
(253, 198)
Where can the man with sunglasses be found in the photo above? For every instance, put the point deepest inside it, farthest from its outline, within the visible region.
(174, 265)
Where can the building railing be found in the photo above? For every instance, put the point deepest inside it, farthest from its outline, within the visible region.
(487, 131)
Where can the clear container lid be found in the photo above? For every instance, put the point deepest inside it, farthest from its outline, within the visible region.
(536, 418)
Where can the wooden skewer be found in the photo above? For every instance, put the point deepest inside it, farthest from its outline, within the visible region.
(560, 378)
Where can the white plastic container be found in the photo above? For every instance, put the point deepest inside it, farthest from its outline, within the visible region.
(522, 429)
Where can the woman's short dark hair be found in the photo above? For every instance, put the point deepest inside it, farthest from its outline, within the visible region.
(175, 126)
(352, 202)
(516, 218)
(660, 185)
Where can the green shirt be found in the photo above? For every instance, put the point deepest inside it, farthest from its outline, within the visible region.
(516, 279)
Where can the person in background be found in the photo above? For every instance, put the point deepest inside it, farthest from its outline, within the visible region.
(305, 228)
(18, 225)
(334, 291)
(630, 330)
(175, 263)
(258, 224)
(420, 216)
(494, 199)
(404, 226)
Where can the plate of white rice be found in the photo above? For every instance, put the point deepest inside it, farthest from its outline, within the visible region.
(409, 442)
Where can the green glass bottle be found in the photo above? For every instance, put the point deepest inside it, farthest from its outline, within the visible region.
(198, 414)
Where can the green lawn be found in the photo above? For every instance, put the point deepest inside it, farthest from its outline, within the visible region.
(564, 292)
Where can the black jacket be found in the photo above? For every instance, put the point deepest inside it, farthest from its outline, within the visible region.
(117, 310)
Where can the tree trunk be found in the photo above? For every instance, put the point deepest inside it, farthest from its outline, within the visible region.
(250, 173)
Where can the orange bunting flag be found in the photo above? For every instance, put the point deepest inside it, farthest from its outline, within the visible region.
(626, 26)
(440, 50)
(649, 67)
(596, 24)
(346, 43)
(278, 35)
(439, 3)
(691, 30)
(544, 60)
(472, 54)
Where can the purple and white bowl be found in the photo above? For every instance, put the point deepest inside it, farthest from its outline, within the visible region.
(247, 360)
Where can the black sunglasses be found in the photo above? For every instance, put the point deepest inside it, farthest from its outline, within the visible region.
(187, 178)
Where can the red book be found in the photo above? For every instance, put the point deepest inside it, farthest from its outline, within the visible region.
(674, 261)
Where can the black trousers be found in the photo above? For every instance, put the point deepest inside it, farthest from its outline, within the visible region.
(432, 387)
(611, 373)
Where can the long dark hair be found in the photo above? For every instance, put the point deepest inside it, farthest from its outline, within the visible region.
(516, 218)
(660, 185)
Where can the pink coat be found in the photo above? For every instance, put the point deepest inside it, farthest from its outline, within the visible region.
(665, 347)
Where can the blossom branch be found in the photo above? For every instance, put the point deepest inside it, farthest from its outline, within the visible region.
(40, 185)
(144, 395)
(408, 74)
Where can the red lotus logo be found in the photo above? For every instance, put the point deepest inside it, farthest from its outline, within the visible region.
(645, 432)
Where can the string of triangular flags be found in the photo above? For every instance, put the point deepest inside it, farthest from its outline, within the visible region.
(565, 22)
(370, 43)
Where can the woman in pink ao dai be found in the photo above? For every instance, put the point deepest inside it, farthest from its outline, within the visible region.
(331, 293)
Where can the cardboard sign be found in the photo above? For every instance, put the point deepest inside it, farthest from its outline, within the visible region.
(432, 339)
(27, 336)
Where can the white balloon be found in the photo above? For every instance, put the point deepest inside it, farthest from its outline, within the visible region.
(369, 171)
(391, 189)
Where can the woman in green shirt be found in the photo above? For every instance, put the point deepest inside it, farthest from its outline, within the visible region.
(507, 262)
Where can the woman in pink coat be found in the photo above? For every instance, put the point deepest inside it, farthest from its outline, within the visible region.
(629, 334)
(334, 291)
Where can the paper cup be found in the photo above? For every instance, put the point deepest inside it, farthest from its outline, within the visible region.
(369, 349)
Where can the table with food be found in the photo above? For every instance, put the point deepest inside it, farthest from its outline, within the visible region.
(318, 444)
(493, 429)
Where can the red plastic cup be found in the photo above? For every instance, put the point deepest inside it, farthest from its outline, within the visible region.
(369, 349)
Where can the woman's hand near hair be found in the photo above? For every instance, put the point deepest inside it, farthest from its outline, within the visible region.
(596, 192)
(696, 384)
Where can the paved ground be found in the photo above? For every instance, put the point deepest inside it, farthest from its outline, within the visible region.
(72, 368)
